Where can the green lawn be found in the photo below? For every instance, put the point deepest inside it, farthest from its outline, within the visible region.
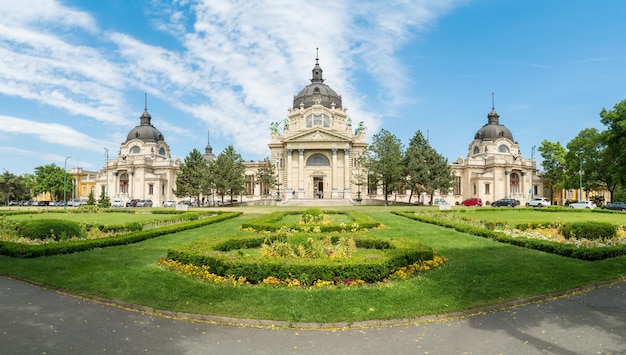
(480, 272)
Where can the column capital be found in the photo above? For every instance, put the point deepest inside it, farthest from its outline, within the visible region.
(334, 151)
(289, 151)
(301, 151)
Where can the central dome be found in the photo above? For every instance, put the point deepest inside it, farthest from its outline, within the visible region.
(145, 131)
(317, 92)
(493, 129)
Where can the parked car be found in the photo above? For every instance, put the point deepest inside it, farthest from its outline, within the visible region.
(615, 206)
(538, 202)
(13, 203)
(472, 201)
(169, 203)
(132, 203)
(144, 203)
(117, 203)
(506, 202)
(583, 204)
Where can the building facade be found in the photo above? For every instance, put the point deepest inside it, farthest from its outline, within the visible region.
(317, 152)
(494, 168)
(143, 169)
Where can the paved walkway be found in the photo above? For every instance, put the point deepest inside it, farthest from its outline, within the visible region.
(39, 321)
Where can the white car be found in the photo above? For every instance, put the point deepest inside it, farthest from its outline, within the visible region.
(117, 203)
(169, 203)
(583, 204)
(538, 202)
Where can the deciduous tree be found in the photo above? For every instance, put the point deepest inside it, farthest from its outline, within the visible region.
(384, 161)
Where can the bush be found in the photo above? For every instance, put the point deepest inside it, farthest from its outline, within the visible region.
(50, 229)
(589, 230)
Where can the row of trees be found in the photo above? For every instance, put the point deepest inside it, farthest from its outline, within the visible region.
(223, 176)
(594, 159)
(419, 168)
(47, 179)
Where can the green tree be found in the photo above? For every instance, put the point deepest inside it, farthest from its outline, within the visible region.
(266, 176)
(554, 165)
(52, 179)
(227, 173)
(193, 179)
(614, 139)
(588, 157)
(91, 199)
(104, 201)
(426, 169)
(12, 187)
(384, 161)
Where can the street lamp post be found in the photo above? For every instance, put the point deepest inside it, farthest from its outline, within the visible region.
(65, 182)
(532, 173)
(580, 178)
(359, 182)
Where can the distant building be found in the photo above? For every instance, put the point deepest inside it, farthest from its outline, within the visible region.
(143, 169)
(494, 167)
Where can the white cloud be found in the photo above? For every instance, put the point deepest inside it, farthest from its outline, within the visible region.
(50, 132)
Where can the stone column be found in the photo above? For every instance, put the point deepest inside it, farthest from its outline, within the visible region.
(301, 173)
(347, 169)
(289, 185)
(335, 192)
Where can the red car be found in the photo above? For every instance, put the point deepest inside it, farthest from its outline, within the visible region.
(473, 201)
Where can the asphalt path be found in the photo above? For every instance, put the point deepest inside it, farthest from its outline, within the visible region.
(34, 320)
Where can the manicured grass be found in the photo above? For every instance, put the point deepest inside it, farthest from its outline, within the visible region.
(521, 215)
(479, 272)
(295, 219)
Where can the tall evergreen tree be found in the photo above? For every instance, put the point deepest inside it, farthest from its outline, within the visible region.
(426, 169)
(384, 161)
(193, 179)
(227, 173)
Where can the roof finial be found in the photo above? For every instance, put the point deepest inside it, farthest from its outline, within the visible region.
(145, 100)
(492, 101)
(317, 55)
(208, 137)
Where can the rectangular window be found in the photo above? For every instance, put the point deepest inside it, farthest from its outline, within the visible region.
(150, 189)
(487, 189)
(536, 190)
(475, 189)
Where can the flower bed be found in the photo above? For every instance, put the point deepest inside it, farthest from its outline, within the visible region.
(543, 238)
(374, 260)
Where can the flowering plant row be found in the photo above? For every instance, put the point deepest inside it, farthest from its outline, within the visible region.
(579, 248)
(202, 273)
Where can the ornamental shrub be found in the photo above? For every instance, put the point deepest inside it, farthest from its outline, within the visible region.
(50, 229)
(589, 230)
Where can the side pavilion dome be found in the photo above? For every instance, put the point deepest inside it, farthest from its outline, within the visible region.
(493, 129)
(317, 92)
(145, 131)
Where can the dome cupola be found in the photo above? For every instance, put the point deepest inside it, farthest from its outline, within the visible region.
(145, 131)
(493, 129)
(317, 92)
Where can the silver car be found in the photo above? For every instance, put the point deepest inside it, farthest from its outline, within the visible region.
(538, 202)
(583, 204)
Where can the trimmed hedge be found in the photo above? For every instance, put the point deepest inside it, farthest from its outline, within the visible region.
(568, 250)
(32, 251)
(398, 252)
(50, 229)
(271, 222)
(590, 230)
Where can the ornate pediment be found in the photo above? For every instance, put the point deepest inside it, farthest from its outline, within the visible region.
(317, 135)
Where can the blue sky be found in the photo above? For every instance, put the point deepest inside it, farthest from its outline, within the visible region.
(73, 73)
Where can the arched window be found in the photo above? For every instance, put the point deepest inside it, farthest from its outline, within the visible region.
(318, 159)
(476, 150)
(514, 179)
(135, 150)
(503, 149)
(124, 183)
(161, 151)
